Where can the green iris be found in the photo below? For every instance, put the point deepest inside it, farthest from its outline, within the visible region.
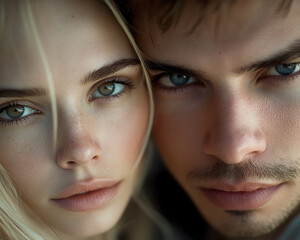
(106, 89)
(15, 111)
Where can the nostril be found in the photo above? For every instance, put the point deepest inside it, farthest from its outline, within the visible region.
(70, 163)
(251, 155)
(78, 152)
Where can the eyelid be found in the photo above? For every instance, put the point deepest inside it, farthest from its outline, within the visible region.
(155, 77)
(22, 103)
(265, 72)
(278, 80)
(297, 64)
(116, 79)
(172, 85)
(159, 73)
(192, 84)
(97, 84)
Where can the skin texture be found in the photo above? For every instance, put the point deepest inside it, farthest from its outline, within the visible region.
(229, 124)
(94, 132)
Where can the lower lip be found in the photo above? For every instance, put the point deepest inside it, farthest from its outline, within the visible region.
(240, 200)
(88, 201)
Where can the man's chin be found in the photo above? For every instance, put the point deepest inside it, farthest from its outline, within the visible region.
(244, 225)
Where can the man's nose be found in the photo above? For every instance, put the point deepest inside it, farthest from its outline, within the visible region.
(77, 145)
(234, 131)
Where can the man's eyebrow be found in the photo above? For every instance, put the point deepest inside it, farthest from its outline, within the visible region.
(30, 92)
(110, 69)
(154, 65)
(287, 54)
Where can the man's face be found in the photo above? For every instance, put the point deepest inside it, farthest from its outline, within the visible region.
(227, 112)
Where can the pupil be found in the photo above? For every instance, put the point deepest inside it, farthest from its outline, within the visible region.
(15, 111)
(106, 89)
(179, 79)
(285, 69)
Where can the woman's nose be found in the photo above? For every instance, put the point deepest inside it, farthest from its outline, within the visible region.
(77, 145)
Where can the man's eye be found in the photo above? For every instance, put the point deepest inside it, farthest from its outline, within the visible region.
(175, 80)
(284, 69)
(108, 89)
(15, 112)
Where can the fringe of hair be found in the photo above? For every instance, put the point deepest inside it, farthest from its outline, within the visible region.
(167, 13)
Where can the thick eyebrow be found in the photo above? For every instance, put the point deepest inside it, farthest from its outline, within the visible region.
(32, 92)
(154, 65)
(110, 69)
(287, 54)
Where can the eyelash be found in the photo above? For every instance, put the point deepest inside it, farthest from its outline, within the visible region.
(21, 120)
(277, 80)
(127, 83)
(272, 80)
(177, 89)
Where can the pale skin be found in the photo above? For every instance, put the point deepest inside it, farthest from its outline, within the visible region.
(94, 130)
(234, 105)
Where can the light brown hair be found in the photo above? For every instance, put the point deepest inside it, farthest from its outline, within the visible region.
(167, 12)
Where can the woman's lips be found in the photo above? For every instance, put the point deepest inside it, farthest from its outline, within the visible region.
(85, 196)
(248, 197)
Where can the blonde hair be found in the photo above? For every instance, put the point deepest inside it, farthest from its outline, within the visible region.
(14, 214)
(17, 222)
(122, 22)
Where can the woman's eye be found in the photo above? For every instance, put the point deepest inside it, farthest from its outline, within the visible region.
(175, 80)
(108, 89)
(284, 69)
(15, 112)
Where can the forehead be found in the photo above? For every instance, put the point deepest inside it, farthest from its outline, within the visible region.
(74, 35)
(80, 24)
(247, 31)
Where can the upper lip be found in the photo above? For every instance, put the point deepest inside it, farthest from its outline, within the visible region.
(239, 187)
(86, 186)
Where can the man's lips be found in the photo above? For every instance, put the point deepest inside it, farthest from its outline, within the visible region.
(237, 186)
(87, 195)
(243, 196)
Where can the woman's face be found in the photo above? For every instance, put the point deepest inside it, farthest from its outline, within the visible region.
(82, 187)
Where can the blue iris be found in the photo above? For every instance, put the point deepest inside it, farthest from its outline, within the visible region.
(285, 69)
(179, 79)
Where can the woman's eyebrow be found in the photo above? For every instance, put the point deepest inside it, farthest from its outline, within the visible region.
(30, 92)
(110, 69)
(289, 53)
